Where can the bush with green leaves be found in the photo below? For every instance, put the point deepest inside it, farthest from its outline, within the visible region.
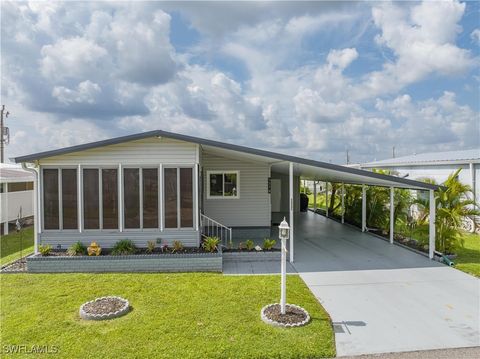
(210, 244)
(268, 244)
(77, 249)
(151, 246)
(124, 247)
(177, 246)
(249, 245)
(45, 249)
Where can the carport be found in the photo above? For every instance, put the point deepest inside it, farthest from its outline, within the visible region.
(329, 173)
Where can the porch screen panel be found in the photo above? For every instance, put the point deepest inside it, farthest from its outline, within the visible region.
(131, 193)
(170, 197)
(150, 198)
(50, 199)
(69, 198)
(110, 198)
(91, 214)
(186, 197)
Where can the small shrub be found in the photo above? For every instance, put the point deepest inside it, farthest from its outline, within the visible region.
(241, 246)
(77, 249)
(45, 250)
(94, 249)
(268, 244)
(210, 244)
(177, 246)
(124, 247)
(150, 246)
(249, 244)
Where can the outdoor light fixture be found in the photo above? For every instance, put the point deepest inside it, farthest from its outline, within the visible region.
(283, 234)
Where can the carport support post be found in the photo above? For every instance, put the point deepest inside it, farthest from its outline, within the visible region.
(291, 210)
(343, 202)
(431, 229)
(315, 196)
(364, 208)
(326, 199)
(392, 212)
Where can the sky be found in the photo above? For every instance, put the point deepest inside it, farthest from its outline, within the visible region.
(311, 79)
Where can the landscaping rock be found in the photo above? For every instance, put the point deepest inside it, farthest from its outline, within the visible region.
(104, 308)
(294, 316)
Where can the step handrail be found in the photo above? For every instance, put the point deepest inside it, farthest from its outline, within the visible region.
(212, 228)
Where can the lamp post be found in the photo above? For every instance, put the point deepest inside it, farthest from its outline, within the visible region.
(283, 234)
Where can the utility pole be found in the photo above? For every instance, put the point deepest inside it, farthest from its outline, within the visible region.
(393, 152)
(4, 133)
(348, 157)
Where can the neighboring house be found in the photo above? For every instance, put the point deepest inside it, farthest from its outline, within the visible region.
(436, 165)
(164, 185)
(16, 195)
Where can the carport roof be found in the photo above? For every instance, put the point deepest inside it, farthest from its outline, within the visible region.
(306, 168)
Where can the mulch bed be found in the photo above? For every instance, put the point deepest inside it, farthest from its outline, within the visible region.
(104, 306)
(293, 315)
(139, 251)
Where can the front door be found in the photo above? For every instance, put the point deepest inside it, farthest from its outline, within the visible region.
(276, 194)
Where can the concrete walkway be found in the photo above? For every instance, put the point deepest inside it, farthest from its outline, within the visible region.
(382, 298)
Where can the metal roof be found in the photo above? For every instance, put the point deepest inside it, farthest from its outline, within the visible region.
(10, 173)
(303, 165)
(432, 158)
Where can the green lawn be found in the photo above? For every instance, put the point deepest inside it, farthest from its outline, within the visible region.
(174, 316)
(468, 257)
(10, 245)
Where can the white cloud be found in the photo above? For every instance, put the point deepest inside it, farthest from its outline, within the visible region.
(475, 36)
(86, 92)
(342, 58)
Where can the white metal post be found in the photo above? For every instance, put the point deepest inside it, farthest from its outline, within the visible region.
(431, 246)
(291, 210)
(283, 294)
(315, 196)
(79, 199)
(392, 213)
(5, 224)
(343, 202)
(474, 193)
(326, 199)
(120, 198)
(364, 208)
(36, 211)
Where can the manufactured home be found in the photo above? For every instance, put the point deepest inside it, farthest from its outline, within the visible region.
(168, 186)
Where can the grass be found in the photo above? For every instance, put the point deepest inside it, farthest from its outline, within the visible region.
(468, 257)
(174, 316)
(10, 245)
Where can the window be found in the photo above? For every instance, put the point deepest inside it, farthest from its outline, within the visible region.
(50, 199)
(186, 198)
(110, 198)
(69, 199)
(91, 213)
(223, 184)
(150, 197)
(131, 193)
(170, 197)
(20, 186)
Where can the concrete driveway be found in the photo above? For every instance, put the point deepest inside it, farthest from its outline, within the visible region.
(381, 297)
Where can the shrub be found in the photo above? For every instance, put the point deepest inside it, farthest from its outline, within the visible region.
(123, 247)
(241, 246)
(210, 244)
(150, 246)
(249, 244)
(94, 249)
(268, 244)
(77, 249)
(177, 246)
(45, 249)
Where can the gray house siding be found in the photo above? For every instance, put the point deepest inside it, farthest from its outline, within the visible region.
(252, 208)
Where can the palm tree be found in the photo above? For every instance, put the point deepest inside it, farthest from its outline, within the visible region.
(454, 204)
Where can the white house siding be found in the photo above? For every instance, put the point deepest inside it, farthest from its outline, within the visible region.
(145, 152)
(11, 202)
(252, 209)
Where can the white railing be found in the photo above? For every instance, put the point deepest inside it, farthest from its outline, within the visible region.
(212, 228)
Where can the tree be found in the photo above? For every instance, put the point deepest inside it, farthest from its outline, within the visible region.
(454, 204)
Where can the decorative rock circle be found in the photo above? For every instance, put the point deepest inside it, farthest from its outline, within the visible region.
(104, 308)
(294, 316)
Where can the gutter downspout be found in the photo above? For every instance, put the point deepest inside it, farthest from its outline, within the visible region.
(35, 205)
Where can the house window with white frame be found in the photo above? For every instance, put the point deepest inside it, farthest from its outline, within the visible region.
(223, 184)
